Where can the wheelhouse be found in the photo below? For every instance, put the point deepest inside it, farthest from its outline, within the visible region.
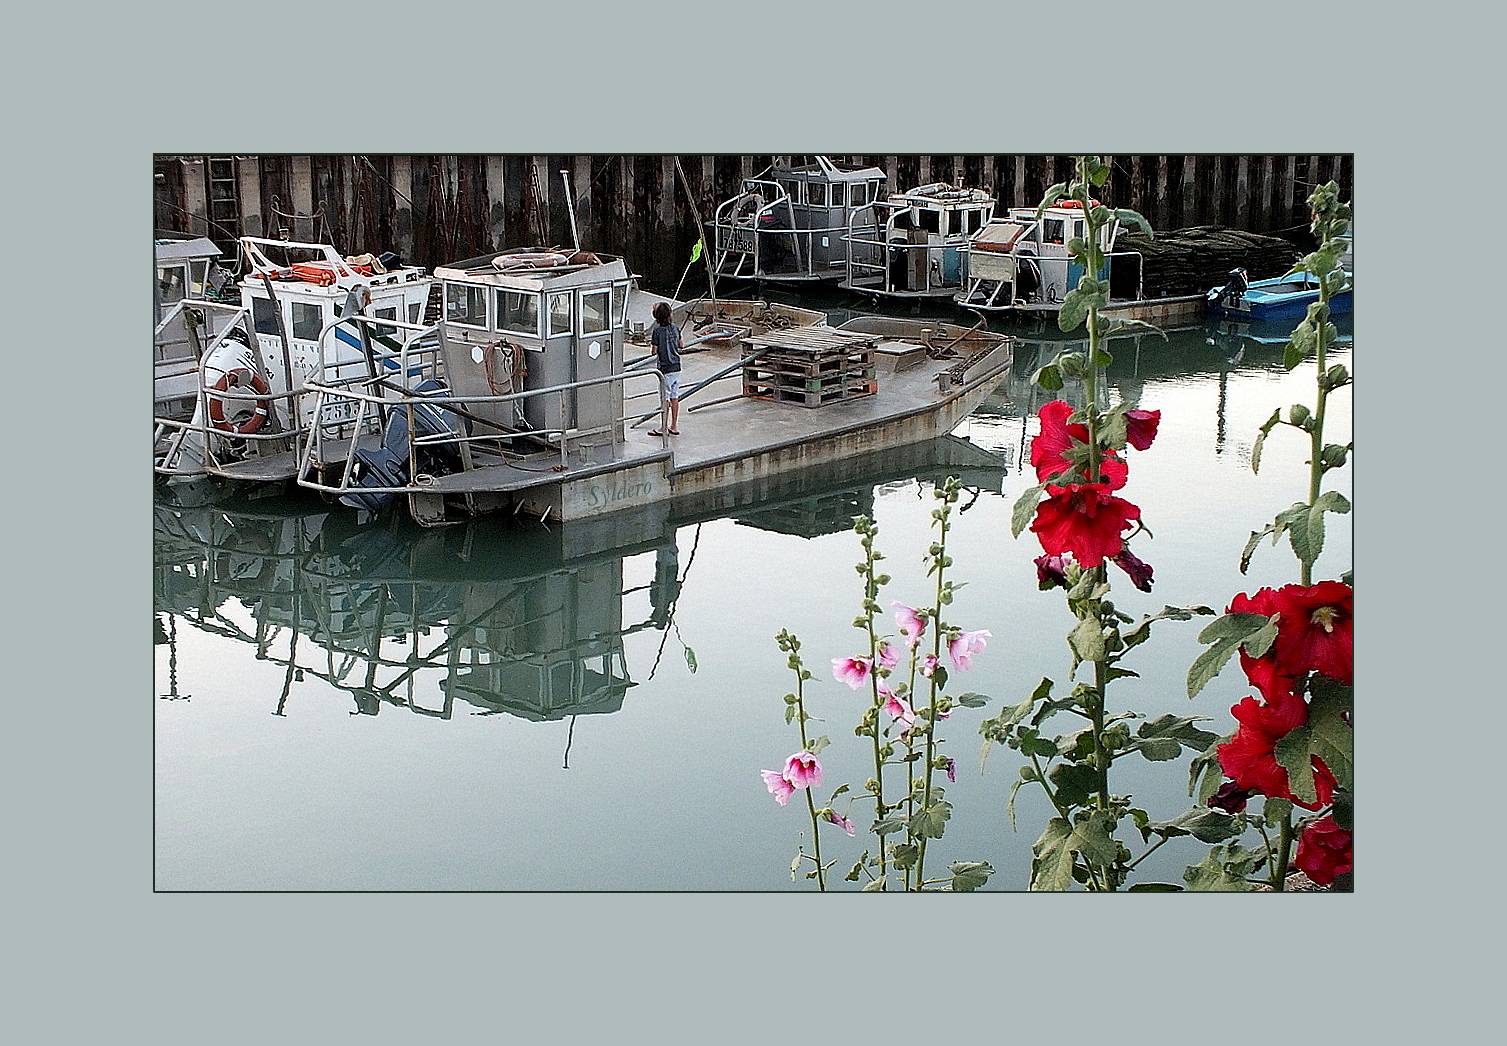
(1022, 259)
(916, 248)
(792, 223)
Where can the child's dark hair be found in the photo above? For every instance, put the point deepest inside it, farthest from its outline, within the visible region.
(662, 312)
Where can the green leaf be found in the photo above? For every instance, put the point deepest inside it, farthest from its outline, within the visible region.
(968, 876)
(1179, 728)
(1133, 219)
(1204, 772)
(690, 660)
(1158, 749)
(1074, 310)
(876, 886)
(888, 825)
(1052, 864)
(972, 700)
(1211, 875)
(903, 855)
(931, 821)
(1203, 823)
(1261, 439)
(1048, 377)
(817, 744)
(1025, 509)
(1226, 633)
(1332, 738)
(857, 869)
(1087, 641)
(1294, 754)
(1074, 783)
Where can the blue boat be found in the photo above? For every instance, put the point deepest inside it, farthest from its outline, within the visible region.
(1283, 298)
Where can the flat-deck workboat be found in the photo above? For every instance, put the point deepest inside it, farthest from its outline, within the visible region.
(916, 251)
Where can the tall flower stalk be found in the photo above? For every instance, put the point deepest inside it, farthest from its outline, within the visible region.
(1294, 745)
(1080, 457)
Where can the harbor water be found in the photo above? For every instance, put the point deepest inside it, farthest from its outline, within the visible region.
(367, 705)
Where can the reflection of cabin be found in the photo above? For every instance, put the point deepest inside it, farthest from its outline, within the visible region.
(791, 223)
(917, 248)
(543, 649)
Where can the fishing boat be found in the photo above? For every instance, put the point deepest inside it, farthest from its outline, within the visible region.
(187, 269)
(916, 249)
(234, 403)
(1019, 264)
(1283, 298)
(547, 405)
(791, 224)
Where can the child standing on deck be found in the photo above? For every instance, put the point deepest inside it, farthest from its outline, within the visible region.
(666, 338)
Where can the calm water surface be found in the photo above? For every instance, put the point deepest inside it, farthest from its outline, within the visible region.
(385, 708)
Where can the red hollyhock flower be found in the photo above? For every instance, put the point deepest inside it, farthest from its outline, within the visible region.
(1139, 570)
(1314, 632)
(1324, 851)
(1140, 427)
(1083, 519)
(1263, 674)
(1049, 448)
(1250, 758)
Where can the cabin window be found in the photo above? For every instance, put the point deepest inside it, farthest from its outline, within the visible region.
(198, 277)
(816, 194)
(595, 311)
(931, 221)
(620, 304)
(387, 314)
(793, 190)
(859, 196)
(170, 281)
(264, 316)
(559, 314)
(1051, 230)
(975, 221)
(839, 194)
(1078, 229)
(466, 304)
(518, 312)
(307, 319)
(414, 311)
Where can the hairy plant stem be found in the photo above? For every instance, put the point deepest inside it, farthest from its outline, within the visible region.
(931, 706)
(800, 717)
(871, 592)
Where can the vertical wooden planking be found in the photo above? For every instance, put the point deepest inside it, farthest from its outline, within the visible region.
(497, 214)
(1189, 191)
(667, 193)
(196, 195)
(248, 177)
(302, 187)
(1214, 208)
(581, 190)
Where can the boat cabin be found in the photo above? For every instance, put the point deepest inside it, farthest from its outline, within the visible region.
(531, 319)
(299, 289)
(916, 248)
(186, 270)
(791, 223)
(1022, 259)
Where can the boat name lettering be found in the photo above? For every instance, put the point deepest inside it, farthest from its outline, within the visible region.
(598, 495)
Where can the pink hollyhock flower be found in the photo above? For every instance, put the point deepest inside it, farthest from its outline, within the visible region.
(1250, 758)
(1315, 631)
(838, 819)
(889, 657)
(952, 769)
(965, 646)
(803, 771)
(1084, 520)
(1140, 572)
(897, 709)
(851, 670)
(1140, 427)
(910, 623)
(780, 788)
(1048, 449)
(928, 665)
(1324, 851)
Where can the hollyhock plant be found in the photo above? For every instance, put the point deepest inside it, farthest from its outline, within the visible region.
(910, 623)
(896, 708)
(851, 670)
(928, 665)
(1049, 447)
(1324, 851)
(1315, 630)
(889, 656)
(965, 646)
(1230, 798)
(1084, 520)
(1250, 758)
(779, 786)
(803, 771)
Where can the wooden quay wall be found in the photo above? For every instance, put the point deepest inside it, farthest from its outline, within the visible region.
(442, 208)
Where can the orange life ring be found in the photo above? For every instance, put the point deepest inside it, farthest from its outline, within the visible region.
(1077, 203)
(240, 376)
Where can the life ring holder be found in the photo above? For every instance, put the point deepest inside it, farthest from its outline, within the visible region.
(240, 376)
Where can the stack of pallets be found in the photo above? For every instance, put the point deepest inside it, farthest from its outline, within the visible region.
(810, 366)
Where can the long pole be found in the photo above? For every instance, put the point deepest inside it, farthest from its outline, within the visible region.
(570, 209)
(706, 255)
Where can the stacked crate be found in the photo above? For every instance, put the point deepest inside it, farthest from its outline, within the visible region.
(810, 366)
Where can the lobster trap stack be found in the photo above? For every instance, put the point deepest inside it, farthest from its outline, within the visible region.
(810, 366)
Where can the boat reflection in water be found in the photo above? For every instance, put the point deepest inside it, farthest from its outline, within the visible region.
(499, 616)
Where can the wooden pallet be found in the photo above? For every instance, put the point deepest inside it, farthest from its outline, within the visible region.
(811, 366)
